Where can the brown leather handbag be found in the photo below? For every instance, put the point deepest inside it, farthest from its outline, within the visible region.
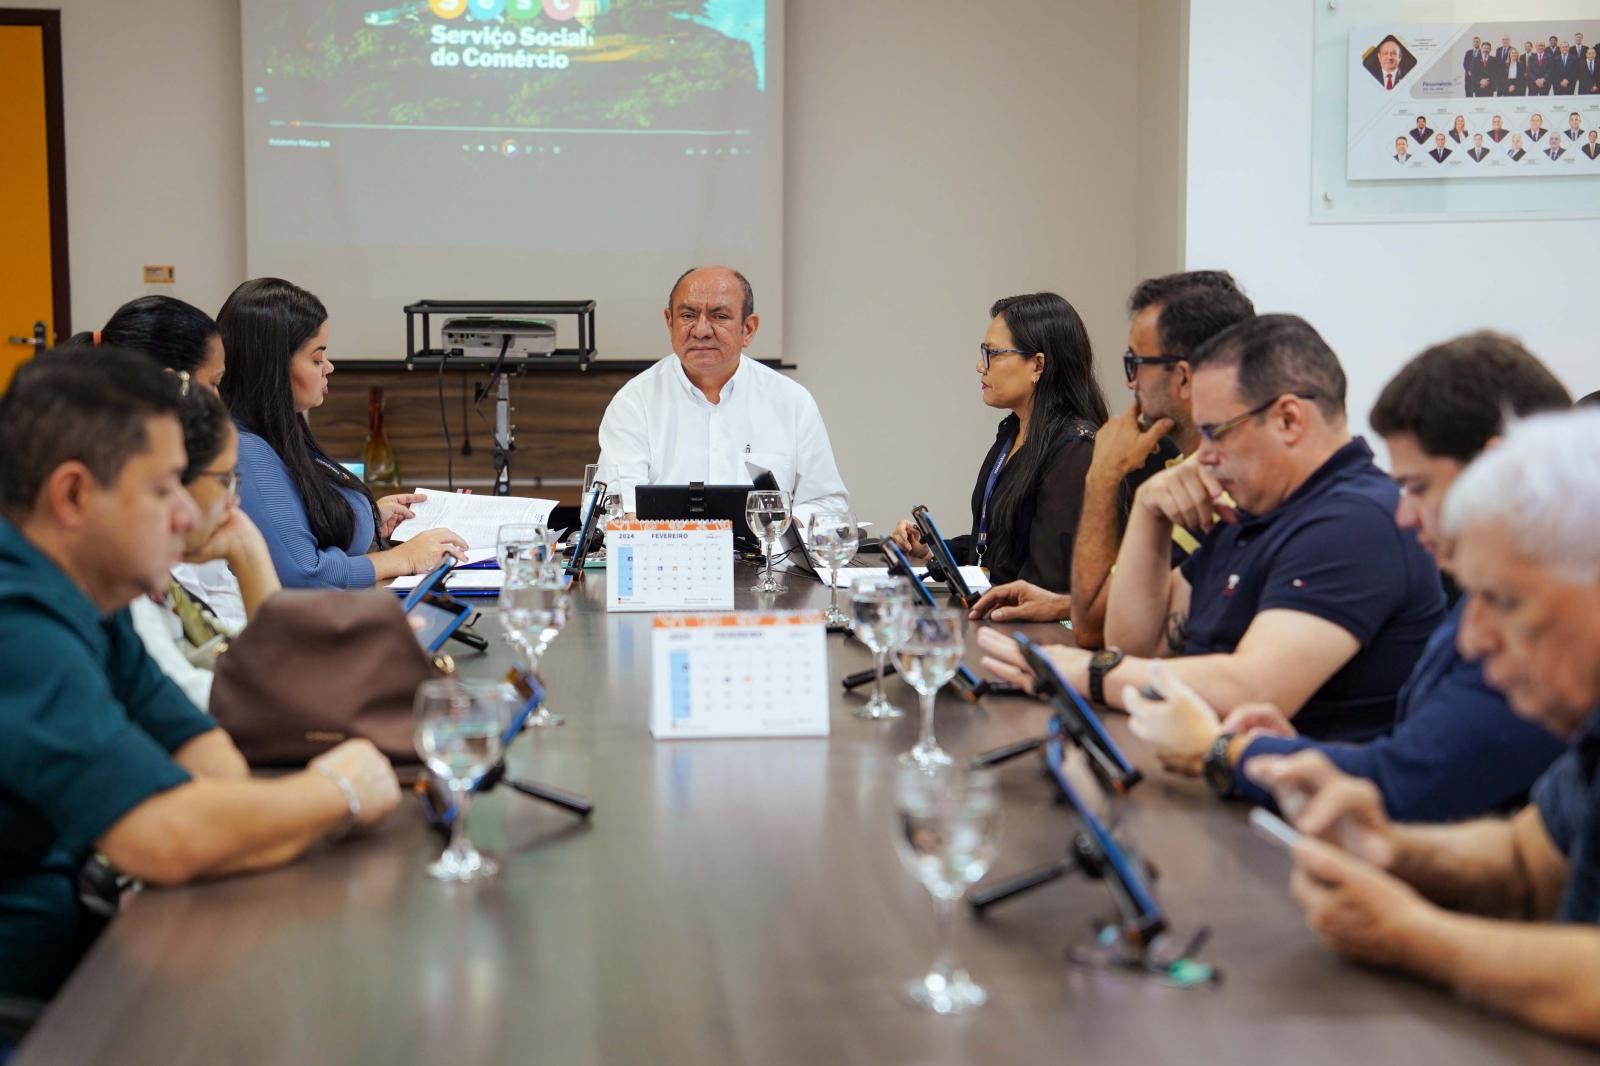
(316, 667)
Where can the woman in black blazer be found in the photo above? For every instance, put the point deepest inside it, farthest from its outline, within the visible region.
(1036, 362)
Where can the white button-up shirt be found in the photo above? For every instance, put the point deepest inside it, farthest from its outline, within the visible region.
(661, 430)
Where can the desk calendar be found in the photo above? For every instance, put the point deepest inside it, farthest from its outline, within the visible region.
(745, 674)
(669, 565)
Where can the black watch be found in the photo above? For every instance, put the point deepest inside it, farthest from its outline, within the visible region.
(1218, 774)
(1102, 663)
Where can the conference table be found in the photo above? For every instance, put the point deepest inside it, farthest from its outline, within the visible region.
(735, 901)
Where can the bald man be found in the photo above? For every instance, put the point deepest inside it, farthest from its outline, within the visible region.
(709, 413)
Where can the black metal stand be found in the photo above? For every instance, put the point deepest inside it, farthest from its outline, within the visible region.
(500, 376)
(582, 806)
(1113, 946)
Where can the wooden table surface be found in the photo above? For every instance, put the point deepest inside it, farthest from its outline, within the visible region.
(734, 901)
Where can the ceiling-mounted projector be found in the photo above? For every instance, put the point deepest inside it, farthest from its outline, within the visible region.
(486, 335)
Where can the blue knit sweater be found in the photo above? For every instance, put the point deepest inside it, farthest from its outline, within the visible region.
(1457, 750)
(275, 505)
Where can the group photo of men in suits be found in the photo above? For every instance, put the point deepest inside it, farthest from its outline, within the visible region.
(1552, 67)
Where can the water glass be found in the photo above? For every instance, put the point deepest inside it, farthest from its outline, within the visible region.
(881, 613)
(533, 611)
(928, 657)
(947, 832)
(458, 735)
(767, 512)
(834, 538)
(519, 541)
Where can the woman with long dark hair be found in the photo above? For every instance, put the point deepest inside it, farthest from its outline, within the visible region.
(175, 334)
(319, 519)
(1036, 362)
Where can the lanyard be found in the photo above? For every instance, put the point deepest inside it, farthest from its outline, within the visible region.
(988, 491)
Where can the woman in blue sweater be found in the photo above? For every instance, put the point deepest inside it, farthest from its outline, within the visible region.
(319, 520)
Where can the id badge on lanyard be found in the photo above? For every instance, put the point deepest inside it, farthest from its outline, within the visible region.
(988, 491)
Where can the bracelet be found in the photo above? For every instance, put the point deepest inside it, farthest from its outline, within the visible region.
(350, 798)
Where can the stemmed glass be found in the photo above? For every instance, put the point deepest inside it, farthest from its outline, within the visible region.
(517, 541)
(533, 611)
(767, 511)
(927, 658)
(458, 735)
(834, 538)
(947, 833)
(882, 614)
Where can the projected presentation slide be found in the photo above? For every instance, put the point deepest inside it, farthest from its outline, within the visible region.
(1515, 98)
(539, 125)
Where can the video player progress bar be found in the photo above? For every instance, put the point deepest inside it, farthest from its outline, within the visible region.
(492, 129)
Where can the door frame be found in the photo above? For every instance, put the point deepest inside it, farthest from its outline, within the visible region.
(56, 150)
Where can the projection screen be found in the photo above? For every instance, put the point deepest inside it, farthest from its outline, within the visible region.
(512, 149)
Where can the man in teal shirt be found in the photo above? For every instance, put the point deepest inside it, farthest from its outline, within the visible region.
(101, 754)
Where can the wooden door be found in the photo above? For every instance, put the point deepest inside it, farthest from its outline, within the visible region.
(33, 207)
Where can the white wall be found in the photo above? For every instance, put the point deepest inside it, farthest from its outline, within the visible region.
(937, 156)
(935, 161)
(1379, 292)
(155, 150)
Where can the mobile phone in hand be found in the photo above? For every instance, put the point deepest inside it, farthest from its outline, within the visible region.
(1273, 828)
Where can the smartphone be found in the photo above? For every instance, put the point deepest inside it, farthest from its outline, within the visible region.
(1273, 828)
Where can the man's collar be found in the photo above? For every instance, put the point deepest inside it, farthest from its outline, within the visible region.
(693, 389)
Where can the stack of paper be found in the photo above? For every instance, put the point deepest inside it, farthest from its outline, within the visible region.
(977, 580)
(458, 580)
(476, 519)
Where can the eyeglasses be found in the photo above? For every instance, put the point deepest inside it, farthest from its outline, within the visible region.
(1214, 431)
(229, 479)
(986, 353)
(1131, 363)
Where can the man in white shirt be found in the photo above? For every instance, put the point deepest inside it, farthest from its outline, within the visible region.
(707, 410)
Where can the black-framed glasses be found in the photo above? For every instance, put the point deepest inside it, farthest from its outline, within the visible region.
(986, 353)
(229, 479)
(1131, 363)
(1214, 431)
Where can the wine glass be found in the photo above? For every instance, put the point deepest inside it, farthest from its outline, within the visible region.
(533, 611)
(927, 658)
(516, 541)
(767, 511)
(947, 832)
(882, 613)
(834, 538)
(458, 736)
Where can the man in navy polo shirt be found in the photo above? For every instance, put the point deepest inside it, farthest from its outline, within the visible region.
(104, 762)
(1523, 521)
(1303, 592)
(1457, 750)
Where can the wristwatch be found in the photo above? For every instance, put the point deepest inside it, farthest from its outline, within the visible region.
(1218, 774)
(1102, 663)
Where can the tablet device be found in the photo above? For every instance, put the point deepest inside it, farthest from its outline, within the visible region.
(580, 550)
(696, 501)
(1079, 721)
(440, 616)
(899, 563)
(428, 583)
(942, 567)
(1142, 920)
